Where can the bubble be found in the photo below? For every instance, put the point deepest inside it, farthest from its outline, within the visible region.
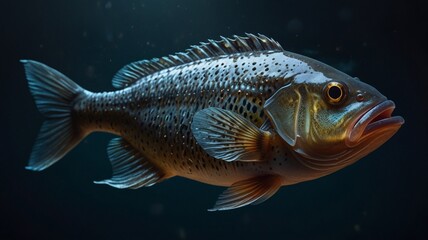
(345, 14)
(357, 228)
(109, 36)
(157, 209)
(295, 25)
(181, 233)
(346, 66)
(310, 52)
(246, 219)
(108, 5)
(90, 71)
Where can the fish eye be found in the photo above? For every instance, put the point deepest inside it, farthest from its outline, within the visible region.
(335, 93)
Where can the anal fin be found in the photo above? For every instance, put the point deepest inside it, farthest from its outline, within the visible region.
(250, 191)
(130, 169)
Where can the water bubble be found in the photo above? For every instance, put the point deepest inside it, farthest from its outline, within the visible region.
(357, 228)
(90, 71)
(246, 219)
(345, 14)
(109, 36)
(295, 25)
(181, 233)
(108, 5)
(156, 209)
(346, 66)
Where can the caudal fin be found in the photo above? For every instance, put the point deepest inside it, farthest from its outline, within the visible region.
(54, 94)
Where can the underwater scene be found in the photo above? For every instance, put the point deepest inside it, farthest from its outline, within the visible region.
(214, 120)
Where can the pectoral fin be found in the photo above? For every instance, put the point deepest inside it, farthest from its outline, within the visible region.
(228, 136)
(251, 191)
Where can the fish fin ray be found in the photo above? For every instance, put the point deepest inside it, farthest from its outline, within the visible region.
(130, 168)
(135, 71)
(228, 136)
(54, 94)
(266, 125)
(250, 191)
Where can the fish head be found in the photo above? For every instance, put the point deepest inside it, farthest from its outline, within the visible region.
(330, 118)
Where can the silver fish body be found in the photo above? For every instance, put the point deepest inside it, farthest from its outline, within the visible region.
(155, 114)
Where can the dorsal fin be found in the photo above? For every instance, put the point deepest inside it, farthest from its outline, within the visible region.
(250, 43)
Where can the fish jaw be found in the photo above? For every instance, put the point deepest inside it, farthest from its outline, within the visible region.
(374, 123)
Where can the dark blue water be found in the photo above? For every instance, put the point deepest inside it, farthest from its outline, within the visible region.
(383, 196)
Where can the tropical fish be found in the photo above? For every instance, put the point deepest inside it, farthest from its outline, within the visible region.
(240, 112)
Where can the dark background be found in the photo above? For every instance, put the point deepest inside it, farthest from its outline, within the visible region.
(383, 196)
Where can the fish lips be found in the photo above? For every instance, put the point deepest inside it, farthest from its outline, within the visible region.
(374, 122)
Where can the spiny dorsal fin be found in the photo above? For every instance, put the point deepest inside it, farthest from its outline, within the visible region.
(250, 43)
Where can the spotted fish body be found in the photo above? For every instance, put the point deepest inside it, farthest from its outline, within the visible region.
(162, 105)
(202, 115)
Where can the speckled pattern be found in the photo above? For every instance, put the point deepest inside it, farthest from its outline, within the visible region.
(154, 114)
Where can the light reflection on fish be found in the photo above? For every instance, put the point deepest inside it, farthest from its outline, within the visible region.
(240, 112)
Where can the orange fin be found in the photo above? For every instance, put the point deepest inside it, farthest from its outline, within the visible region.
(130, 169)
(229, 136)
(250, 191)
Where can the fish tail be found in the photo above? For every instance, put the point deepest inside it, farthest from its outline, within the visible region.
(54, 94)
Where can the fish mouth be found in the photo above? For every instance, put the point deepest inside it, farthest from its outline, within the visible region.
(375, 122)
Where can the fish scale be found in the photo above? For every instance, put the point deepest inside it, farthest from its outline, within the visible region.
(240, 112)
(176, 94)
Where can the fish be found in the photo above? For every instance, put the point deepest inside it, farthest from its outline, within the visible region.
(239, 112)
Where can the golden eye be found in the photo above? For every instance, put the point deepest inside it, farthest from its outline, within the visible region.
(335, 92)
